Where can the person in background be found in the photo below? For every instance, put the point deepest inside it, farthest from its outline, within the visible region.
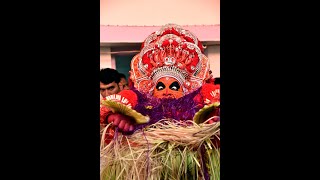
(123, 84)
(109, 82)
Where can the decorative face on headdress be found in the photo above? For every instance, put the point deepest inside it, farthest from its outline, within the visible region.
(171, 63)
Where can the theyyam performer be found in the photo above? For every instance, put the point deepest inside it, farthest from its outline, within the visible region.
(167, 126)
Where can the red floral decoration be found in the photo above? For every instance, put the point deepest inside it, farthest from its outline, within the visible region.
(210, 93)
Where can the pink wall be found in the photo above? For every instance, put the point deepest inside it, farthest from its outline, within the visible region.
(214, 57)
(159, 12)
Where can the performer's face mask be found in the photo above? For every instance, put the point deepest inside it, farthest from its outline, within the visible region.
(168, 87)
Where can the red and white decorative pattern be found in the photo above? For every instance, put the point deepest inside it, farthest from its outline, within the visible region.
(170, 52)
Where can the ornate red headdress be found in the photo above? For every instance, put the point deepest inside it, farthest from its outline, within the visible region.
(170, 52)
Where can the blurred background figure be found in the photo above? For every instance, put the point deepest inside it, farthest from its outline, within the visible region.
(123, 84)
(109, 82)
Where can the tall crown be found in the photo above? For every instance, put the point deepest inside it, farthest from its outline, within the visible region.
(170, 52)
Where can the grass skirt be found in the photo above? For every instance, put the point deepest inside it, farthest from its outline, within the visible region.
(165, 150)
